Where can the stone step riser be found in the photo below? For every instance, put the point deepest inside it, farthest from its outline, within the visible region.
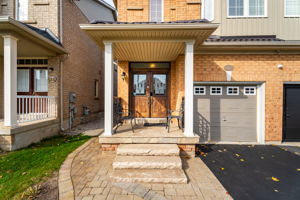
(173, 176)
(137, 165)
(148, 150)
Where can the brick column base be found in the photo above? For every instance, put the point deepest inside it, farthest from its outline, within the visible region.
(108, 148)
(187, 150)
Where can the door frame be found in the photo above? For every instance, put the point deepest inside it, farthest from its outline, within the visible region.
(146, 70)
(286, 84)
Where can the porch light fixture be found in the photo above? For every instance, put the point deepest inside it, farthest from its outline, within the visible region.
(123, 76)
(152, 65)
(228, 69)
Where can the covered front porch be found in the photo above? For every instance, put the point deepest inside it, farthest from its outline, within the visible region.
(29, 74)
(126, 44)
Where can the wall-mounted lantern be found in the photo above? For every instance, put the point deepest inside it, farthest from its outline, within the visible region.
(123, 76)
(228, 69)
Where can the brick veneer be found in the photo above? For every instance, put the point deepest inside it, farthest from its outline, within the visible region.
(132, 10)
(83, 66)
(246, 68)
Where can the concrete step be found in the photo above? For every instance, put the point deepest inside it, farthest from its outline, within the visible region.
(148, 150)
(173, 176)
(147, 162)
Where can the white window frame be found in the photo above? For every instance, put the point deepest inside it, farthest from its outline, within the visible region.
(285, 15)
(233, 87)
(199, 87)
(248, 94)
(203, 10)
(17, 11)
(246, 11)
(162, 11)
(215, 94)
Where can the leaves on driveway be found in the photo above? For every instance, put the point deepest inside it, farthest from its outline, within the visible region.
(275, 179)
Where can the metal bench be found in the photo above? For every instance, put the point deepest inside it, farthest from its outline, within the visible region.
(176, 114)
(121, 114)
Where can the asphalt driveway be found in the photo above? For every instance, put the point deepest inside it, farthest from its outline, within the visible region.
(255, 172)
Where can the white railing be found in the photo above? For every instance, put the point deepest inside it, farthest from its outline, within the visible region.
(31, 108)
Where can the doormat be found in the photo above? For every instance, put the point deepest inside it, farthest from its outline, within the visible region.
(155, 124)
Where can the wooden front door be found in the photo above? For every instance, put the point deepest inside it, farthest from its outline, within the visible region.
(149, 96)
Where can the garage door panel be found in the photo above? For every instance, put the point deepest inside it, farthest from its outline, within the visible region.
(226, 117)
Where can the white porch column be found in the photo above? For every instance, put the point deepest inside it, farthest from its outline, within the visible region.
(108, 91)
(10, 80)
(188, 89)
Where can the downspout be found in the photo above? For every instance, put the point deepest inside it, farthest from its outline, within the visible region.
(61, 67)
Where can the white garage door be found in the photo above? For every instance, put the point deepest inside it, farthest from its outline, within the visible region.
(225, 113)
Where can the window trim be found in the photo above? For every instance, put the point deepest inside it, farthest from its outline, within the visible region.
(210, 90)
(246, 11)
(203, 9)
(199, 94)
(288, 16)
(229, 87)
(255, 88)
(162, 11)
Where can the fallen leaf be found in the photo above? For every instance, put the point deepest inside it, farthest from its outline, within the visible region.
(24, 173)
(262, 157)
(1, 176)
(276, 190)
(242, 160)
(224, 149)
(220, 151)
(298, 169)
(237, 155)
(275, 179)
(222, 168)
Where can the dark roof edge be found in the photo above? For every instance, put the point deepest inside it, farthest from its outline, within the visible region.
(107, 5)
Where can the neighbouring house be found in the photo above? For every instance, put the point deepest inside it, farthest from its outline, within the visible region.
(235, 62)
(51, 72)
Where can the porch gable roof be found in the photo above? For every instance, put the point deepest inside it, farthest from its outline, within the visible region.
(32, 41)
(149, 41)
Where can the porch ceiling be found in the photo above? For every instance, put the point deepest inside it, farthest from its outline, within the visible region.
(30, 43)
(149, 42)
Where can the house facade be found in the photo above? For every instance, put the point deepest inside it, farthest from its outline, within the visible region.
(51, 72)
(235, 62)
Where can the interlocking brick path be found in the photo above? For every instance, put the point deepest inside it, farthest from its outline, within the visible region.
(90, 171)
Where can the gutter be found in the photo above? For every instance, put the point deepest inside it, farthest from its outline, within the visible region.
(137, 27)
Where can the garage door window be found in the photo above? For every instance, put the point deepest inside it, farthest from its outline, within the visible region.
(250, 90)
(232, 90)
(199, 90)
(215, 90)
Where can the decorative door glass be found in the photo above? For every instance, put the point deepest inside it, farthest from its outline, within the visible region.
(139, 84)
(159, 84)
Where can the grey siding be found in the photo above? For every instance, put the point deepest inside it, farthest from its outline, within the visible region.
(225, 118)
(95, 11)
(275, 23)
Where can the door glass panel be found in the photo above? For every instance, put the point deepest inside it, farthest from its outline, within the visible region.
(139, 84)
(159, 84)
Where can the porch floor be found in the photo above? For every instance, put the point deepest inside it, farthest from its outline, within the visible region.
(148, 134)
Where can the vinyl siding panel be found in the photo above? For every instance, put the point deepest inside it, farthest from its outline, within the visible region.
(274, 24)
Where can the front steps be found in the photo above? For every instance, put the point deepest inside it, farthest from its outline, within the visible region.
(148, 163)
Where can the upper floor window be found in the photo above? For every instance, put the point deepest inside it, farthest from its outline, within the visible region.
(207, 10)
(292, 8)
(156, 10)
(22, 10)
(247, 8)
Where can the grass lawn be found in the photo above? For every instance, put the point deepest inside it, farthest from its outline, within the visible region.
(23, 168)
